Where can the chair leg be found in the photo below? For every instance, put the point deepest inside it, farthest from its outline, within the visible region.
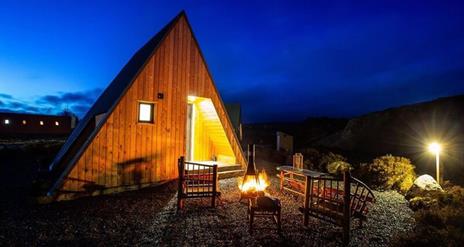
(250, 229)
(180, 203)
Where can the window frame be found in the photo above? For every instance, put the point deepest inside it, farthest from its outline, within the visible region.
(152, 114)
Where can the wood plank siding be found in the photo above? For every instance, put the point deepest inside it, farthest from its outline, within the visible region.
(126, 154)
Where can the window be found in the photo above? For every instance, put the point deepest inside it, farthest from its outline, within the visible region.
(7, 121)
(41, 122)
(146, 112)
(24, 122)
(57, 123)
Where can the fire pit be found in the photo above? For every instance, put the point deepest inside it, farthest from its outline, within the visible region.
(253, 183)
(252, 188)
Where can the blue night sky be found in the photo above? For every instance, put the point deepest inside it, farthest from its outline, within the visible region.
(281, 61)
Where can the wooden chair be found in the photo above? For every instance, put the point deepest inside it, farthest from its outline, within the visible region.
(337, 200)
(197, 181)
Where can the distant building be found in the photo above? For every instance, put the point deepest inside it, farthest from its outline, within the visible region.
(284, 142)
(21, 124)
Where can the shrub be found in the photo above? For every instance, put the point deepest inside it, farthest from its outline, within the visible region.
(311, 158)
(329, 158)
(338, 167)
(389, 172)
(420, 202)
(319, 160)
(440, 223)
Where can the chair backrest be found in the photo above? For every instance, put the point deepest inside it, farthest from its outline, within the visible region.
(197, 174)
(298, 161)
(361, 197)
(328, 192)
(331, 192)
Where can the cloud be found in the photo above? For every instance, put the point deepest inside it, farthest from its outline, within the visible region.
(77, 102)
(5, 96)
(49, 99)
(71, 98)
(5, 110)
(80, 109)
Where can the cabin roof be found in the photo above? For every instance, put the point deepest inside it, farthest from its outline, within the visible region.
(105, 103)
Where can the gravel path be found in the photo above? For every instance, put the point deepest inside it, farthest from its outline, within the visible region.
(148, 218)
(113, 220)
(226, 225)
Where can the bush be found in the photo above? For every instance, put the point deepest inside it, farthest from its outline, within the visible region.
(319, 160)
(329, 158)
(440, 222)
(311, 158)
(338, 167)
(421, 202)
(389, 172)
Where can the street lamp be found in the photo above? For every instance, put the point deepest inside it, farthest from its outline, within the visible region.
(435, 148)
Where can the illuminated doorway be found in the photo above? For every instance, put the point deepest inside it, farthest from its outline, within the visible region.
(206, 140)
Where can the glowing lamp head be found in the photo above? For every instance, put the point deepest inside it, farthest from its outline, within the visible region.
(434, 148)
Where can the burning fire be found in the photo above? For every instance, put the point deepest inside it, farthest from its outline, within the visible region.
(250, 184)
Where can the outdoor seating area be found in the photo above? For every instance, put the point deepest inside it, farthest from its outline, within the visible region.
(228, 223)
(149, 216)
(331, 198)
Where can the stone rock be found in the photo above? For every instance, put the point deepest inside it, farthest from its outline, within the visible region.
(424, 185)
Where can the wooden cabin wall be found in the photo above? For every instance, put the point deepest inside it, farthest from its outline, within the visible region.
(128, 155)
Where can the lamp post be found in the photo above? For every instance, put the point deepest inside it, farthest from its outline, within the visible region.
(435, 148)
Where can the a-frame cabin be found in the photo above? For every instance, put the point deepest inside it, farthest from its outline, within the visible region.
(162, 105)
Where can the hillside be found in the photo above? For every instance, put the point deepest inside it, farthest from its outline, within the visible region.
(407, 130)
(404, 130)
(305, 133)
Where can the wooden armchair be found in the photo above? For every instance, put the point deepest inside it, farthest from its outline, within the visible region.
(197, 181)
(337, 200)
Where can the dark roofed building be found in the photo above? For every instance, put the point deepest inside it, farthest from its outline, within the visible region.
(25, 124)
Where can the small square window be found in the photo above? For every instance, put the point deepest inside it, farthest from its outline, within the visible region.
(7, 121)
(57, 123)
(146, 112)
(41, 122)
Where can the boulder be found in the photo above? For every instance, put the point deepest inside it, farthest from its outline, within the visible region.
(423, 186)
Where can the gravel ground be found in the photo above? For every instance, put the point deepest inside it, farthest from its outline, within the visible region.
(148, 217)
(121, 219)
(227, 225)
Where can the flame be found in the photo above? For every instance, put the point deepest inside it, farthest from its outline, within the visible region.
(251, 184)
